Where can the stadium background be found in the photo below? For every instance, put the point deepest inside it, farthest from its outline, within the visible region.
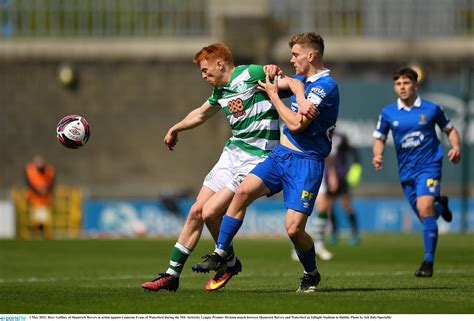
(134, 78)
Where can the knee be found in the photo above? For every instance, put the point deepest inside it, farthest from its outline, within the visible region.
(293, 230)
(425, 210)
(210, 213)
(242, 195)
(195, 213)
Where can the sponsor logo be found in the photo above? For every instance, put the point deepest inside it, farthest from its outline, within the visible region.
(315, 99)
(294, 107)
(431, 184)
(236, 107)
(216, 285)
(395, 123)
(13, 318)
(75, 131)
(307, 196)
(412, 140)
(318, 91)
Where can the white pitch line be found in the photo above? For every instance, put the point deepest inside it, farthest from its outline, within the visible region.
(35, 279)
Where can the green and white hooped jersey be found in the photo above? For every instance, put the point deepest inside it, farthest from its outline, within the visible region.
(252, 117)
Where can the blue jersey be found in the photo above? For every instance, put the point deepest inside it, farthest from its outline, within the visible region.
(323, 92)
(414, 135)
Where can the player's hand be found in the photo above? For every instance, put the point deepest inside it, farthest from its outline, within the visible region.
(377, 162)
(454, 155)
(268, 87)
(171, 139)
(272, 71)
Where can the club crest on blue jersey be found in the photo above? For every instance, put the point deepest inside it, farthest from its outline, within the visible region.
(422, 120)
(411, 140)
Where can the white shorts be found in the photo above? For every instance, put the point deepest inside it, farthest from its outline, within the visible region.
(231, 169)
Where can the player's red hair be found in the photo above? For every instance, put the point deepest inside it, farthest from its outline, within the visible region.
(213, 52)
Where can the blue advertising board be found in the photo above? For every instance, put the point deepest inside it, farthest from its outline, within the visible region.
(131, 218)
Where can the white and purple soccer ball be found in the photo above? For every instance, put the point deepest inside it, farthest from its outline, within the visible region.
(73, 131)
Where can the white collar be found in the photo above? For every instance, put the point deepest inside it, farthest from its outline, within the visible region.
(315, 77)
(401, 105)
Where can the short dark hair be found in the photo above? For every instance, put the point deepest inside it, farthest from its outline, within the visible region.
(309, 39)
(406, 72)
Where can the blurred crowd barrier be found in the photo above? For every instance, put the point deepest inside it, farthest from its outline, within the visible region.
(140, 218)
(62, 220)
(115, 18)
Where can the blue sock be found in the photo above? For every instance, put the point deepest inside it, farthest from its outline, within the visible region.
(430, 237)
(229, 228)
(308, 259)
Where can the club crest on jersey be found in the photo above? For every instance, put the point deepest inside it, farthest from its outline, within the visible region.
(422, 120)
(236, 107)
(239, 87)
(412, 140)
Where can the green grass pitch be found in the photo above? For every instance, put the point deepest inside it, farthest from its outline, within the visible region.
(104, 276)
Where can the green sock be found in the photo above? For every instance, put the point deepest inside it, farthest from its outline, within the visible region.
(178, 257)
(320, 227)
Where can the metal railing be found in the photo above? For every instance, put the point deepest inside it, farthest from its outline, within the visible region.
(116, 18)
(367, 18)
(103, 18)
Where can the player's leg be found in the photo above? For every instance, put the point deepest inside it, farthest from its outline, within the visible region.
(295, 223)
(333, 227)
(346, 203)
(250, 189)
(301, 182)
(324, 204)
(427, 190)
(187, 241)
(425, 206)
(212, 214)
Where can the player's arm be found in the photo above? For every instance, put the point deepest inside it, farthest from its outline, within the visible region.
(195, 118)
(294, 121)
(454, 153)
(377, 149)
(288, 86)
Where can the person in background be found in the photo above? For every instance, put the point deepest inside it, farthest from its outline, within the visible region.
(413, 121)
(40, 180)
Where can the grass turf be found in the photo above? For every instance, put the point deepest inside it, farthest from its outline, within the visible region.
(104, 276)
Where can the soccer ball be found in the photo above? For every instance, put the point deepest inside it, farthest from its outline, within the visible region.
(73, 131)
